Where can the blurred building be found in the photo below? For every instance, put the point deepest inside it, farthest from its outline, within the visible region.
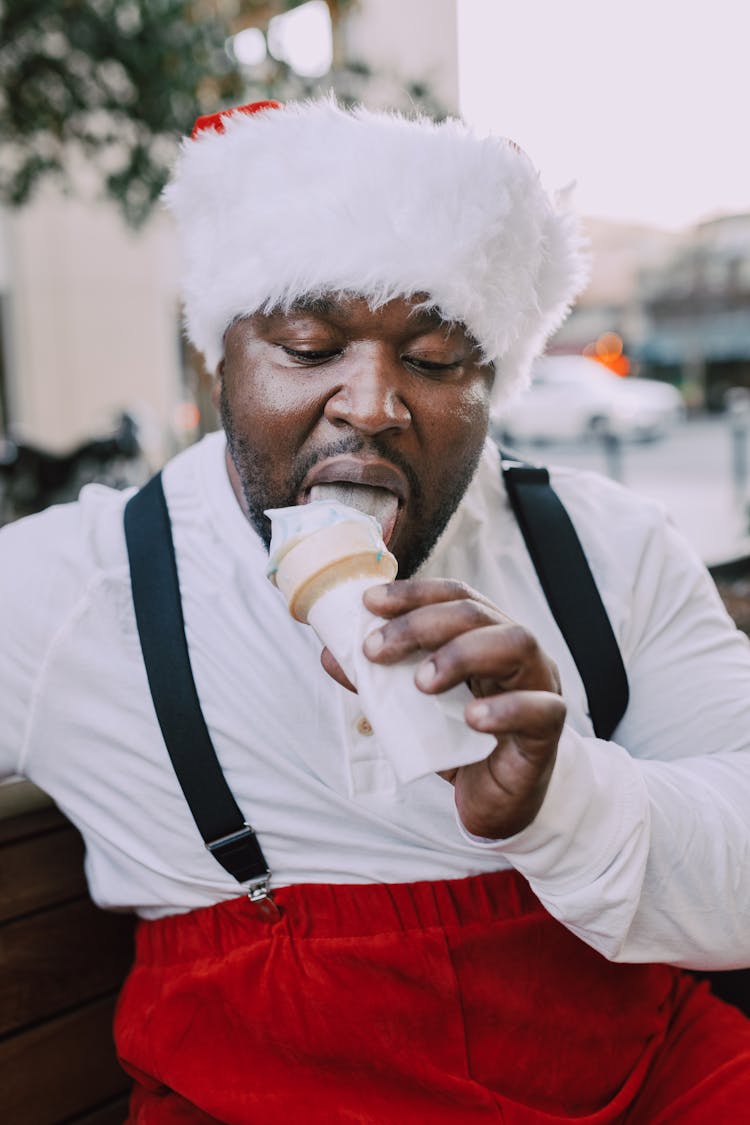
(696, 311)
(414, 40)
(678, 300)
(90, 322)
(609, 304)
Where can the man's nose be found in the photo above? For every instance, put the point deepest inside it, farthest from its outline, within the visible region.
(368, 396)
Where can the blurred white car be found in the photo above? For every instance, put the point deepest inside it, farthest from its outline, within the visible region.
(573, 398)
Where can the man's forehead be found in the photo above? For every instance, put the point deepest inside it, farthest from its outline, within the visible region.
(419, 308)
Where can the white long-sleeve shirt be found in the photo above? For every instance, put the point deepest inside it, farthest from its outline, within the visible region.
(642, 845)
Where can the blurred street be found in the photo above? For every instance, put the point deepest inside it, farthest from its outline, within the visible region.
(691, 472)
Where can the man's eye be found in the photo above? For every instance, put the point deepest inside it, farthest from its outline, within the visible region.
(310, 356)
(431, 365)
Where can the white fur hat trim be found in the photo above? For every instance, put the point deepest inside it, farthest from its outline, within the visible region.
(310, 198)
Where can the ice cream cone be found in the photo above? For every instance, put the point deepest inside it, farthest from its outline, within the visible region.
(341, 545)
(325, 559)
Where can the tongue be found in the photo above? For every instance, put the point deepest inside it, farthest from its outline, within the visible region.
(377, 502)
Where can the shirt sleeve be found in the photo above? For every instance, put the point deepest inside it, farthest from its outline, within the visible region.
(39, 584)
(642, 845)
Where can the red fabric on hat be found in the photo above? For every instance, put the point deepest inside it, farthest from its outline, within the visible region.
(446, 1002)
(215, 121)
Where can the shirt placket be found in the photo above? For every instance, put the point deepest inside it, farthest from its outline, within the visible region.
(368, 771)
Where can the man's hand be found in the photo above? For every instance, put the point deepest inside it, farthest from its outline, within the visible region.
(516, 685)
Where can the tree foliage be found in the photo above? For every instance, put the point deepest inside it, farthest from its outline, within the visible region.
(118, 82)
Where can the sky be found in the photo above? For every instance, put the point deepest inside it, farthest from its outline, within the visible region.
(645, 104)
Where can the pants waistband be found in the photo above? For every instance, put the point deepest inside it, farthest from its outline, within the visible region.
(339, 910)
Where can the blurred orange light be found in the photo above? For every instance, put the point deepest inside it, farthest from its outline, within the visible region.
(620, 364)
(608, 350)
(609, 344)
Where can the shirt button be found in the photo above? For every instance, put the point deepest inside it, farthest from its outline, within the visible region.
(363, 726)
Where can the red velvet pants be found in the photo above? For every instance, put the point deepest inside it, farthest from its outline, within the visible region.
(416, 1004)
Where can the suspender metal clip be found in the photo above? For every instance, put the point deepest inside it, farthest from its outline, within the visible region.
(260, 897)
(258, 889)
(240, 854)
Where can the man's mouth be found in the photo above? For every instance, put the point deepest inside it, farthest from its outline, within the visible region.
(373, 486)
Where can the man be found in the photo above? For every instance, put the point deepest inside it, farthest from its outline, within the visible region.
(497, 942)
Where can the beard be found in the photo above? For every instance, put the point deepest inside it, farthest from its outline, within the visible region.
(427, 521)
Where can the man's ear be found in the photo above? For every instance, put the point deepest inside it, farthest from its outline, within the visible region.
(216, 385)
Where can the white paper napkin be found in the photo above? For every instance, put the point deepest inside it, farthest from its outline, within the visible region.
(418, 733)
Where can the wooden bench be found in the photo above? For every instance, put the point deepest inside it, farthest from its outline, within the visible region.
(62, 962)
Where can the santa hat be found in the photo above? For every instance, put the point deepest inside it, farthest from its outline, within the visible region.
(274, 203)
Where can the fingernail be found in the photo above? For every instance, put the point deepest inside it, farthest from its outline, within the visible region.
(373, 593)
(426, 674)
(374, 642)
(479, 712)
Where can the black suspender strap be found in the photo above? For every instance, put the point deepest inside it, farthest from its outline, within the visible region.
(571, 592)
(161, 628)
